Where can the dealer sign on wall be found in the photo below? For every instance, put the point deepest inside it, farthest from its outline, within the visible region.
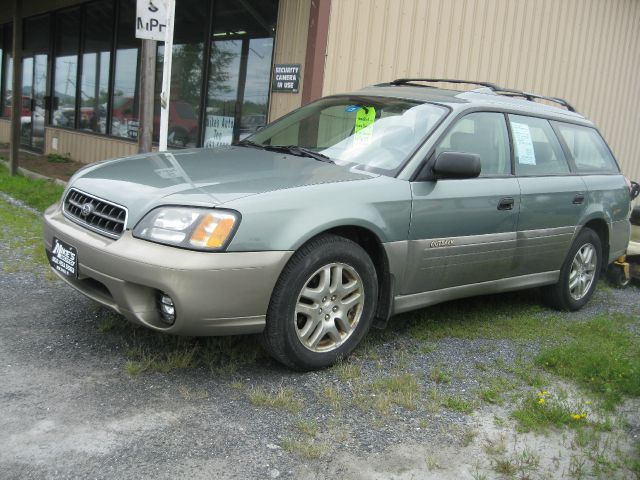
(286, 78)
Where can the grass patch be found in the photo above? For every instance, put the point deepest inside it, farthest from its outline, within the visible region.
(347, 371)
(539, 412)
(308, 427)
(304, 447)
(21, 239)
(440, 375)
(517, 317)
(38, 194)
(458, 404)
(331, 396)
(402, 390)
(284, 398)
(603, 357)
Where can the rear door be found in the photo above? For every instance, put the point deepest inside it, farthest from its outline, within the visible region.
(553, 199)
(464, 231)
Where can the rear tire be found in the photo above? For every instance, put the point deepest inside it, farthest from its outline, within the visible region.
(616, 277)
(322, 305)
(579, 274)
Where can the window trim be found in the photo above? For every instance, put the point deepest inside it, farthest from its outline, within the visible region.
(429, 158)
(568, 162)
(569, 154)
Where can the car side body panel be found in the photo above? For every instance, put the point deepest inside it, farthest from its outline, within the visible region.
(272, 221)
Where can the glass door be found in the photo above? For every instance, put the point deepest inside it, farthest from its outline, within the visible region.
(25, 102)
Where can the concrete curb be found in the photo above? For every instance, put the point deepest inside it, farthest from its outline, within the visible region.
(36, 176)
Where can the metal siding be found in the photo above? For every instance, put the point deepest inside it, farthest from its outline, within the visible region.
(87, 148)
(587, 51)
(290, 47)
(5, 131)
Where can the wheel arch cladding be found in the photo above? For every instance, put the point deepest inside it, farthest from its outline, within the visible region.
(599, 225)
(372, 245)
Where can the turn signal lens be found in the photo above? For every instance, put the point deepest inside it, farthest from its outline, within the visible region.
(213, 231)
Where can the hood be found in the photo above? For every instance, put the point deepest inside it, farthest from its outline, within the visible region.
(202, 177)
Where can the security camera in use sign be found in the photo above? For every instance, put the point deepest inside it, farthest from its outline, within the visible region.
(151, 19)
(286, 78)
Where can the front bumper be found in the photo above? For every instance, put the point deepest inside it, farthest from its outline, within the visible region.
(222, 293)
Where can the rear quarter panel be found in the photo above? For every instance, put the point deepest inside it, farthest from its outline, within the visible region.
(608, 199)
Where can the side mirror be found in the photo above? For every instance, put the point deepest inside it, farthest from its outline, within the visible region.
(456, 165)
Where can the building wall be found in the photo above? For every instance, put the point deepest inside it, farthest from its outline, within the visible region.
(85, 147)
(586, 51)
(5, 131)
(291, 47)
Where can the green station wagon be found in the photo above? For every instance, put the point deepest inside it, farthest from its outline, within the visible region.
(345, 212)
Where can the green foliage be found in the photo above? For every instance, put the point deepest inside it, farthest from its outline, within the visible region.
(38, 194)
(603, 357)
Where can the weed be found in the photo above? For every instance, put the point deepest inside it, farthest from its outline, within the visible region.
(458, 404)
(308, 427)
(59, 158)
(283, 397)
(440, 375)
(106, 324)
(306, 448)
(347, 370)
(133, 368)
(331, 396)
(401, 390)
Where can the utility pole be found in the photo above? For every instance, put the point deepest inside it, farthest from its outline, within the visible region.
(16, 92)
(147, 87)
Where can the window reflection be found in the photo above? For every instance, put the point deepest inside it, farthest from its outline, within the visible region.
(95, 66)
(66, 67)
(186, 75)
(239, 70)
(124, 113)
(7, 69)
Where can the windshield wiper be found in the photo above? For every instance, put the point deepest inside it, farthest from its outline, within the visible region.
(249, 143)
(299, 151)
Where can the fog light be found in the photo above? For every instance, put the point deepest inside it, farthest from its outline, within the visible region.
(166, 308)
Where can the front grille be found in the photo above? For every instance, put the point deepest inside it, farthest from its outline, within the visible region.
(95, 213)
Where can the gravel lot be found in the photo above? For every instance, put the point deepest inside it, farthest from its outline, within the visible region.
(70, 409)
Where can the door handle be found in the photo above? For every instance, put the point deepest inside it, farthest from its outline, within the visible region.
(578, 199)
(506, 203)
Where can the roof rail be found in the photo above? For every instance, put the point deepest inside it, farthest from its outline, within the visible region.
(402, 81)
(532, 97)
(509, 92)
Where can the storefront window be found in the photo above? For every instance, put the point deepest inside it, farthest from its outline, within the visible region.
(186, 75)
(67, 38)
(124, 106)
(240, 62)
(7, 70)
(94, 92)
(34, 81)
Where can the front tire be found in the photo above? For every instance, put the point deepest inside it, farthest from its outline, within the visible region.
(322, 305)
(579, 274)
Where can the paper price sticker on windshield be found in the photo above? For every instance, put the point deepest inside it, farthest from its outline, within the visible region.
(365, 117)
(364, 125)
(524, 145)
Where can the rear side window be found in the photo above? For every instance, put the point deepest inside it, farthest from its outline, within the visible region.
(536, 147)
(590, 153)
(482, 133)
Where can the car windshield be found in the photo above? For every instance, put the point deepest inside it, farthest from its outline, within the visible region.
(375, 134)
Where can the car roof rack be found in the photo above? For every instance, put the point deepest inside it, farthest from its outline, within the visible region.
(508, 92)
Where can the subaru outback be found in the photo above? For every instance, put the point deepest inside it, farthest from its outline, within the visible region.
(345, 212)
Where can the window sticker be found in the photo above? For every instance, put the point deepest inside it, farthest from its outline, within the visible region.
(364, 125)
(524, 144)
(352, 108)
(365, 118)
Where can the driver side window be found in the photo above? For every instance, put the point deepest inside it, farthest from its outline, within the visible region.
(485, 134)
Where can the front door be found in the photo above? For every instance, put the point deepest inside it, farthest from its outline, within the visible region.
(464, 231)
(34, 90)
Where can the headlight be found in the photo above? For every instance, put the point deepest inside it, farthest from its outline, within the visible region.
(193, 228)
